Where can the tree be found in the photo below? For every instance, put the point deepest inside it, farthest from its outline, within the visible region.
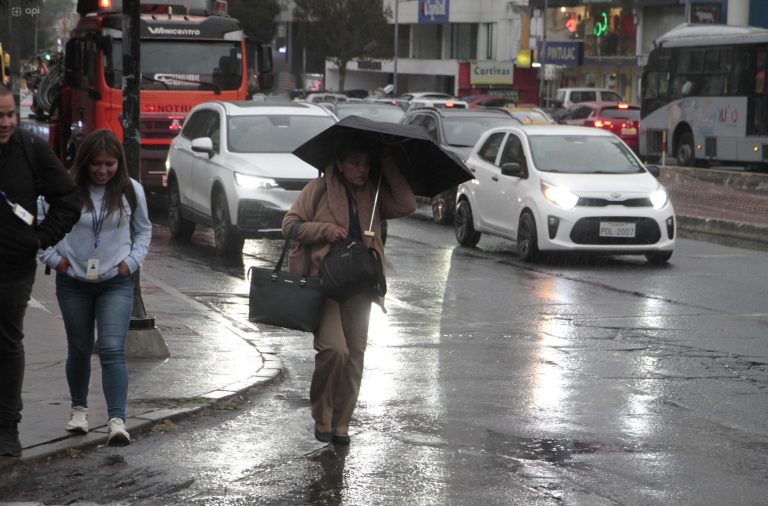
(258, 18)
(346, 29)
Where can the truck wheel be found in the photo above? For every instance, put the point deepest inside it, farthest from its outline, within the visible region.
(228, 240)
(443, 207)
(527, 238)
(464, 225)
(181, 228)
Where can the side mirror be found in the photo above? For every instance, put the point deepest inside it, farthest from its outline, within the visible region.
(514, 169)
(203, 145)
(654, 170)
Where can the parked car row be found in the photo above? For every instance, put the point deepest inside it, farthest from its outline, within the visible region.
(548, 187)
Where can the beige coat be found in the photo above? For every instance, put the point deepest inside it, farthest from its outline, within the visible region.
(396, 200)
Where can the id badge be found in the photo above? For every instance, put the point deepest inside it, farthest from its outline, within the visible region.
(92, 272)
(23, 214)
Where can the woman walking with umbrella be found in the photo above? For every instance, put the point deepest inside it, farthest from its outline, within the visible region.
(331, 209)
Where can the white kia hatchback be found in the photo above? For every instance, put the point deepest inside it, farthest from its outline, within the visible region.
(560, 188)
(231, 168)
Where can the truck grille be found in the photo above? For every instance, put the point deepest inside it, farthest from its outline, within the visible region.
(159, 127)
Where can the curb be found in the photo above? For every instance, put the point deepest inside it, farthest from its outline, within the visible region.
(724, 228)
(138, 424)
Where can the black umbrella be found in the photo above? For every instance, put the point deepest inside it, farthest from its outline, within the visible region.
(427, 167)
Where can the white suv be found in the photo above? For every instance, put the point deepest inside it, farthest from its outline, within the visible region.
(231, 168)
(566, 97)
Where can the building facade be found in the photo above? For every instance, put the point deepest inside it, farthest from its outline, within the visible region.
(523, 49)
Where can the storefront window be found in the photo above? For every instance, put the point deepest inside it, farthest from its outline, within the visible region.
(605, 30)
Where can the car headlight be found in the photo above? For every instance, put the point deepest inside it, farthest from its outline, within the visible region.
(560, 197)
(254, 182)
(658, 198)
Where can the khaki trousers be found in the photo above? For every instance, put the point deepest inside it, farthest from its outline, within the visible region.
(340, 343)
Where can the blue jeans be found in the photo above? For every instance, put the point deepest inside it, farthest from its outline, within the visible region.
(108, 305)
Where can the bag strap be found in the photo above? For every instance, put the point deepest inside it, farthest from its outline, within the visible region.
(279, 265)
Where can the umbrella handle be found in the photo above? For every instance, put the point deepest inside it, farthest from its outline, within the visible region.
(370, 231)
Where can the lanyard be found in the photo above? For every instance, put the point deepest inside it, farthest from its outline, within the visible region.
(98, 221)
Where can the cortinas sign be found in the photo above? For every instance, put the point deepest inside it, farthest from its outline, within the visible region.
(496, 73)
(433, 11)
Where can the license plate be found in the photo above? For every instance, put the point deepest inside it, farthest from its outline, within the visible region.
(616, 229)
(629, 131)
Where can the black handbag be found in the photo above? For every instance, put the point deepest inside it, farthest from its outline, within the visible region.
(284, 299)
(352, 268)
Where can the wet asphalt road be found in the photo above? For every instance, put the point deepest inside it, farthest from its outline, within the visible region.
(489, 382)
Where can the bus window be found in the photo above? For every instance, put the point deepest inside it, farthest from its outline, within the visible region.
(740, 73)
(760, 117)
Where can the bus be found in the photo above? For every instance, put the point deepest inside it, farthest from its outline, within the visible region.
(704, 96)
(192, 51)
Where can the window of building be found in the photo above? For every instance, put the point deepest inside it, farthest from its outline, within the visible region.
(490, 41)
(464, 41)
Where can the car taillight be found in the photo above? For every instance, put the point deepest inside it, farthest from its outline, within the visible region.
(603, 123)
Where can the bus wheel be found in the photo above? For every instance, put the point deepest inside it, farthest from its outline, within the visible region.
(684, 151)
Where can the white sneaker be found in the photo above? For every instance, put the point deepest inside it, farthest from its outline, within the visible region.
(78, 420)
(116, 433)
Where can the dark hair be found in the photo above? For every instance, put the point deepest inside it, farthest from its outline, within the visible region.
(357, 143)
(5, 90)
(95, 143)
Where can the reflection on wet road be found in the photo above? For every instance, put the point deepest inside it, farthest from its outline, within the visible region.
(489, 382)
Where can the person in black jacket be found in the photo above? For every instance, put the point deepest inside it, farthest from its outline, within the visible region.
(28, 168)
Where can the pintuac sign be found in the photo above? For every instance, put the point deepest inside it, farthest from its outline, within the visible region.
(563, 53)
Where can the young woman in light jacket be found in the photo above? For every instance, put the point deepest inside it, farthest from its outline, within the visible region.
(329, 209)
(94, 287)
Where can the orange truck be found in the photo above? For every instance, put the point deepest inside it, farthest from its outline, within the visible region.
(191, 52)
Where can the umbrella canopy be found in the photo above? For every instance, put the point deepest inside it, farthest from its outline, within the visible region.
(427, 167)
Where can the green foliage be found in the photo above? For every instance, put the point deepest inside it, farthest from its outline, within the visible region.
(258, 18)
(346, 29)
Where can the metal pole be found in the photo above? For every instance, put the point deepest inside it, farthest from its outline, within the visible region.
(131, 135)
(397, 47)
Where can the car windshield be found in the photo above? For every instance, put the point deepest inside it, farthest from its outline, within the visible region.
(388, 114)
(464, 131)
(273, 134)
(582, 154)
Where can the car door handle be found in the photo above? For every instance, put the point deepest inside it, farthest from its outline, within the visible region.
(495, 178)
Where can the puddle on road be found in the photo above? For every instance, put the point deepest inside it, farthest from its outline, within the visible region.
(558, 451)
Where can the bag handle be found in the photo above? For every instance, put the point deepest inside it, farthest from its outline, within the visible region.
(279, 265)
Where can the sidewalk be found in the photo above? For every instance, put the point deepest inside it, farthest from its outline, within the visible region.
(228, 360)
(224, 359)
(725, 203)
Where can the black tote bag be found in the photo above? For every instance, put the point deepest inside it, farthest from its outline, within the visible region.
(284, 299)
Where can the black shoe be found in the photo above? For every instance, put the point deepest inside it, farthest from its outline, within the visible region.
(10, 446)
(324, 437)
(341, 440)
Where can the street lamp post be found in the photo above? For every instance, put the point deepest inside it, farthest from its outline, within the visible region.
(144, 340)
(397, 47)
